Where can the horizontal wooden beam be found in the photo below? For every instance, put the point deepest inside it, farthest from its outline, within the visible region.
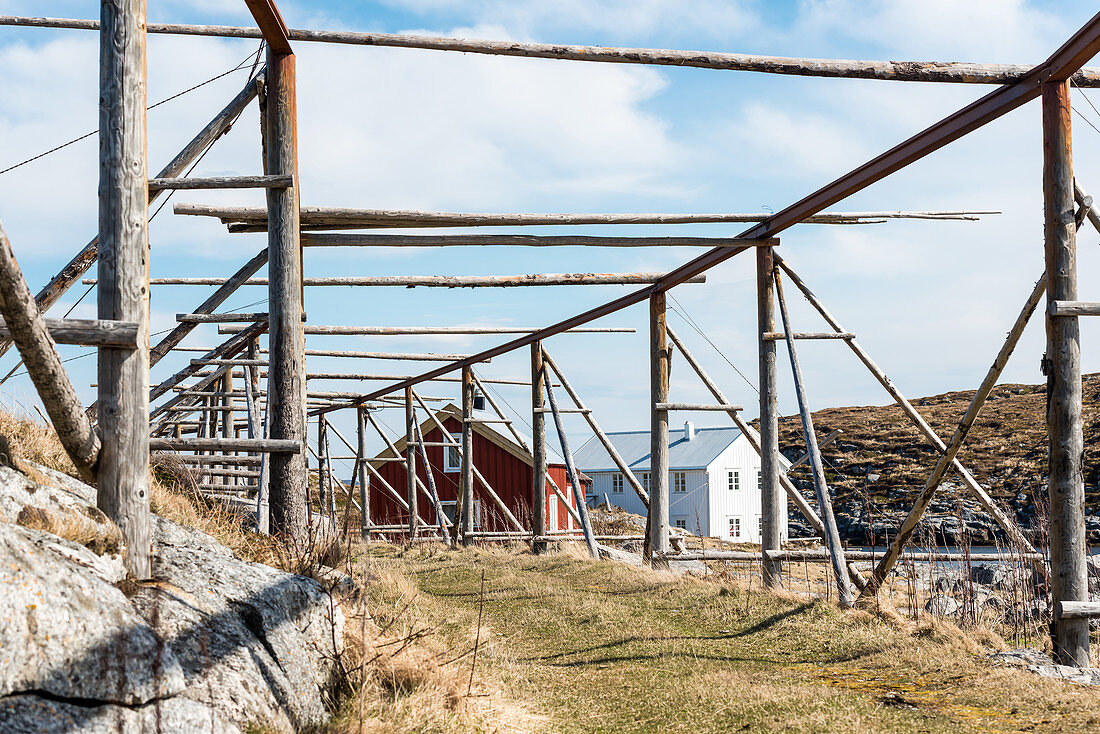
(222, 182)
(254, 219)
(1075, 308)
(357, 376)
(341, 239)
(220, 318)
(955, 72)
(186, 459)
(258, 445)
(778, 336)
(1076, 609)
(443, 281)
(88, 332)
(819, 556)
(352, 354)
(696, 406)
(431, 330)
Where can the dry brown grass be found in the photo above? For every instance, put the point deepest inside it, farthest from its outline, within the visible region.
(31, 441)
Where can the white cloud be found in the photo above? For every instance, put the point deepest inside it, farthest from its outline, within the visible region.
(993, 31)
(615, 18)
(428, 130)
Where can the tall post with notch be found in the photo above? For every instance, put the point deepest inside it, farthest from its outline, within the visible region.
(769, 418)
(123, 399)
(1062, 365)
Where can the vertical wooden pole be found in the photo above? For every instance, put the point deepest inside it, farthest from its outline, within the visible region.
(1063, 369)
(657, 529)
(824, 501)
(538, 451)
(124, 277)
(286, 392)
(228, 421)
(364, 486)
(467, 482)
(574, 476)
(410, 463)
(769, 419)
(322, 465)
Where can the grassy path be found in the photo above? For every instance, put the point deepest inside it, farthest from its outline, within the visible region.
(599, 647)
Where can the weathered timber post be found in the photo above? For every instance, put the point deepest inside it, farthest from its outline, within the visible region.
(39, 354)
(364, 479)
(286, 391)
(437, 506)
(659, 367)
(123, 374)
(410, 462)
(1062, 365)
(467, 483)
(322, 448)
(769, 419)
(824, 502)
(538, 451)
(573, 474)
(229, 423)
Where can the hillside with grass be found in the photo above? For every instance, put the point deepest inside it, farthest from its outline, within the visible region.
(881, 461)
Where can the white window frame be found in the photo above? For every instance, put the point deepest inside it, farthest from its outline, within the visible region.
(680, 522)
(679, 482)
(454, 452)
(735, 529)
(617, 483)
(645, 481)
(759, 480)
(733, 480)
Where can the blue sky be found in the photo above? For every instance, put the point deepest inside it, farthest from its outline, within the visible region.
(393, 128)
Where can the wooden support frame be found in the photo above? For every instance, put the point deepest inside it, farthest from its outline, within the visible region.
(217, 127)
(286, 392)
(1062, 366)
(770, 470)
(912, 71)
(315, 218)
(123, 294)
(410, 463)
(616, 457)
(571, 469)
(39, 354)
(467, 467)
(539, 474)
(660, 358)
(987, 502)
(824, 501)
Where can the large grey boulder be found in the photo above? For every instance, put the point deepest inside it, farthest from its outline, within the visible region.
(69, 633)
(36, 715)
(211, 643)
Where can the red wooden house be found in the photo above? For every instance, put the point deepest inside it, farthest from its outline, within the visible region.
(504, 464)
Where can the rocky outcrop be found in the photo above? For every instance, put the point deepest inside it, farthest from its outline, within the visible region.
(211, 643)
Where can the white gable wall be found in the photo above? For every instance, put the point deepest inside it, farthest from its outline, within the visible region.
(707, 504)
(744, 503)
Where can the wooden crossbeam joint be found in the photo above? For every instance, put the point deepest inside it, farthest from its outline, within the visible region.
(1075, 308)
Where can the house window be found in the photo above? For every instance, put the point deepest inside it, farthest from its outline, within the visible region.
(452, 455)
(645, 481)
(617, 483)
(759, 481)
(733, 479)
(735, 528)
(759, 526)
(681, 522)
(679, 481)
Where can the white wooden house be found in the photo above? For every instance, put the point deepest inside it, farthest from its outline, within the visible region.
(714, 480)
